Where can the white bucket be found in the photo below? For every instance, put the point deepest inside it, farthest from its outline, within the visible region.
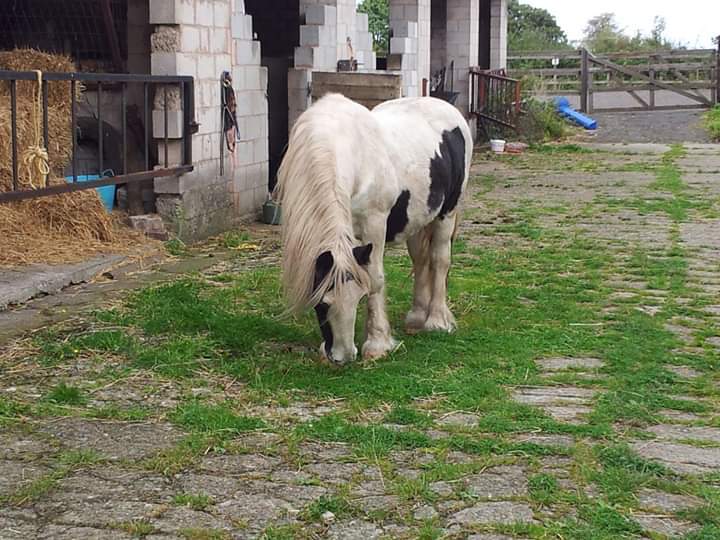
(497, 146)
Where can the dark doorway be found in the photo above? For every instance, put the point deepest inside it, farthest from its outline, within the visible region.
(485, 19)
(276, 24)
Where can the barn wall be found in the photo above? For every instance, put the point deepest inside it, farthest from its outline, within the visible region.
(203, 38)
(498, 34)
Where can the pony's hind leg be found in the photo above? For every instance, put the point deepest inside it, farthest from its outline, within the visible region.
(439, 315)
(419, 249)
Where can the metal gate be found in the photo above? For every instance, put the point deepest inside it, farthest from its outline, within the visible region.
(158, 86)
(637, 81)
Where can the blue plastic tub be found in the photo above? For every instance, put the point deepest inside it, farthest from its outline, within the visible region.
(107, 193)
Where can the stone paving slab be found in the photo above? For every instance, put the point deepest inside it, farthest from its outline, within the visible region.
(680, 458)
(22, 284)
(664, 525)
(675, 432)
(501, 513)
(15, 475)
(563, 363)
(498, 483)
(667, 502)
(113, 440)
(564, 403)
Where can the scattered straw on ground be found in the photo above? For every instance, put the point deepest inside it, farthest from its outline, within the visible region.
(60, 228)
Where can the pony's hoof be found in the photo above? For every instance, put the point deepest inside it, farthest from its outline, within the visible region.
(415, 321)
(440, 322)
(377, 348)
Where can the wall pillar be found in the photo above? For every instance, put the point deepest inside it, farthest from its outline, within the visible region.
(498, 34)
(203, 38)
(410, 43)
(463, 31)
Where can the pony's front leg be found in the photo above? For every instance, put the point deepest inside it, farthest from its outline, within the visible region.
(439, 315)
(379, 340)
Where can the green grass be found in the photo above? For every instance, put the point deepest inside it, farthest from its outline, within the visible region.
(62, 394)
(11, 411)
(543, 488)
(137, 527)
(196, 502)
(711, 122)
(234, 239)
(543, 296)
(196, 533)
(176, 247)
(338, 505)
(214, 419)
(406, 416)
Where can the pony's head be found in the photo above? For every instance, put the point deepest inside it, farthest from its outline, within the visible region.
(337, 308)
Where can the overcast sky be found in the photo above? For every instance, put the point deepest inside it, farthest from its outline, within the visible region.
(690, 22)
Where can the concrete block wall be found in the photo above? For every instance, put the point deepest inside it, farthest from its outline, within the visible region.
(498, 34)
(363, 44)
(318, 48)
(203, 38)
(410, 43)
(323, 41)
(463, 34)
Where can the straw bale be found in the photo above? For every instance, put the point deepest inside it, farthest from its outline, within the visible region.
(59, 228)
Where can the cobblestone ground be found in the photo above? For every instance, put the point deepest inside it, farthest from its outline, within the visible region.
(593, 417)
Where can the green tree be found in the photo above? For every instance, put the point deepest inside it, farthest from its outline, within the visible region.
(531, 28)
(603, 34)
(379, 22)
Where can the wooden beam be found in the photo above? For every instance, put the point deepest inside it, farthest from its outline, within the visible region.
(584, 81)
(632, 73)
(637, 98)
(111, 33)
(641, 109)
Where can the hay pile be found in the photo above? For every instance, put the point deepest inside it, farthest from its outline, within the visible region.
(59, 228)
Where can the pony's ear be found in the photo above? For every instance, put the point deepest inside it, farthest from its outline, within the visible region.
(323, 265)
(362, 254)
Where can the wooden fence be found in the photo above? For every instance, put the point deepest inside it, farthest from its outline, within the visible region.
(682, 78)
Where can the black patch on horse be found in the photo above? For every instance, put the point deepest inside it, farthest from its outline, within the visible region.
(447, 172)
(322, 314)
(398, 218)
(323, 265)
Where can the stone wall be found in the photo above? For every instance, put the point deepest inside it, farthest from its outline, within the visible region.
(204, 38)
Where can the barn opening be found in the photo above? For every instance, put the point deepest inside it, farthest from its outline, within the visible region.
(277, 26)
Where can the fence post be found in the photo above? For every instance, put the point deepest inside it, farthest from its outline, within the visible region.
(584, 79)
(717, 73)
(652, 88)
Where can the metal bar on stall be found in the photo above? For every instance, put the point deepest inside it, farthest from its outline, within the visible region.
(100, 129)
(46, 135)
(73, 118)
(13, 135)
(146, 120)
(123, 113)
(165, 108)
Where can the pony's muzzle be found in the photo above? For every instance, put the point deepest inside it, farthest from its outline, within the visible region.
(338, 359)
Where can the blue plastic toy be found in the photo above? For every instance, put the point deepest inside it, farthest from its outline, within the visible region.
(563, 107)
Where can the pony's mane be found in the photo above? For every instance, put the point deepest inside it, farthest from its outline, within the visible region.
(316, 213)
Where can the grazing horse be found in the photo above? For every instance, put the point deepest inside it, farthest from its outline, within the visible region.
(353, 180)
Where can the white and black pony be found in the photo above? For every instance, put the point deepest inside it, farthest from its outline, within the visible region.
(353, 180)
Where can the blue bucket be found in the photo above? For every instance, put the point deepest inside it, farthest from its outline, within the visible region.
(107, 193)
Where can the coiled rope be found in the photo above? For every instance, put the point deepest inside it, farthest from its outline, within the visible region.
(35, 159)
